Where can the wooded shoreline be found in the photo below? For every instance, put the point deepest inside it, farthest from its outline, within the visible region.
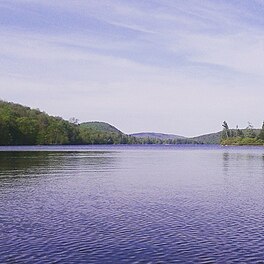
(21, 125)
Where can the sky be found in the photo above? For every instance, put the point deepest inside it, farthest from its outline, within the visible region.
(170, 66)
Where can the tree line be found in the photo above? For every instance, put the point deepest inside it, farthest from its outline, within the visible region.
(247, 136)
(20, 125)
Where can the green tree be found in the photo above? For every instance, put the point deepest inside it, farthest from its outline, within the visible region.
(250, 131)
(261, 134)
(226, 132)
(28, 128)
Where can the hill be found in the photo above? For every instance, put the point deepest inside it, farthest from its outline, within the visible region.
(100, 127)
(104, 133)
(211, 138)
(21, 125)
(215, 138)
(156, 135)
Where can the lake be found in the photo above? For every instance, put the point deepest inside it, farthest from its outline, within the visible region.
(132, 204)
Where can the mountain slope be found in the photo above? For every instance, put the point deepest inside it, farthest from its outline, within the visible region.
(100, 127)
(215, 138)
(21, 125)
(211, 138)
(156, 135)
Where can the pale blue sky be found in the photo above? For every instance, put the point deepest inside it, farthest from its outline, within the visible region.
(156, 65)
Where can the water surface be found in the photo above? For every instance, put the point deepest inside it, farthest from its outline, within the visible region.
(132, 204)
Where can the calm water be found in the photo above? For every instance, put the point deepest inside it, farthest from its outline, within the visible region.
(152, 204)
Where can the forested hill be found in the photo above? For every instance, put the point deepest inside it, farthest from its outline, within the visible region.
(153, 135)
(21, 125)
(217, 138)
(100, 127)
(212, 138)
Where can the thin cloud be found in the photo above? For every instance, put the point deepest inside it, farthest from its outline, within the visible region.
(172, 66)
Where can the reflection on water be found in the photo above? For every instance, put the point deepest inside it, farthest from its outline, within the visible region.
(237, 162)
(134, 205)
(37, 163)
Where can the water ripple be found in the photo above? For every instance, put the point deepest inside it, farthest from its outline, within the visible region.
(132, 207)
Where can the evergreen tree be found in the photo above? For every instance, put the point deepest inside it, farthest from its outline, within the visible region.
(250, 131)
(226, 132)
(261, 134)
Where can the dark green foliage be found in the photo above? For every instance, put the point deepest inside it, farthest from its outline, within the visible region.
(261, 134)
(239, 133)
(226, 131)
(250, 133)
(247, 136)
(212, 138)
(100, 127)
(242, 141)
(103, 133)
(20, 125)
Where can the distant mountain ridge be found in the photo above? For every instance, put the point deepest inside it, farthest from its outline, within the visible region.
(211, 138)
(154, 135)
(21, 125)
